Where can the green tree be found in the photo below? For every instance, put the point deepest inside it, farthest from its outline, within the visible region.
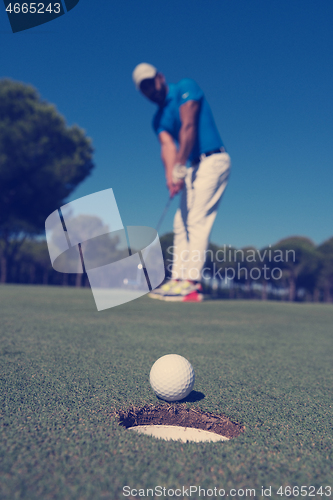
(32, 263)
(295, 254)
(42, 161)
(325, 271)
(308, 277)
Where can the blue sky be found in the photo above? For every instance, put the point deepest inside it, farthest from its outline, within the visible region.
(266, 70)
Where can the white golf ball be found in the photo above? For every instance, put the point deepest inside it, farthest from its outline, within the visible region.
(172, 377)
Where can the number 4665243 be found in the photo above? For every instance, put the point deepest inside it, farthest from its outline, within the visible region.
(33, 8)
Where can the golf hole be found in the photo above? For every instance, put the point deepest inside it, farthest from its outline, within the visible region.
(177, 422)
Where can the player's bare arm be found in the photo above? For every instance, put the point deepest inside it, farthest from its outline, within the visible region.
(169, 155)
(188, 132)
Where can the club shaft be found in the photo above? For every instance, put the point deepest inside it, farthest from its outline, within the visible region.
(163, 214)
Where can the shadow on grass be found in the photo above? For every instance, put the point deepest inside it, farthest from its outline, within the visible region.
(191, 398)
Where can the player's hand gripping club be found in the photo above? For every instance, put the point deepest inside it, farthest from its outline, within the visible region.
(176, 183)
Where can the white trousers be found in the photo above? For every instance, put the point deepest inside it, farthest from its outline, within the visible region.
(204, 186)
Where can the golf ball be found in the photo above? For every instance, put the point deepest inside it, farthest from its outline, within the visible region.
(172, 377)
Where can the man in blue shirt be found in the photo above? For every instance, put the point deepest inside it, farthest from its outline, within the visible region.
(187, 133)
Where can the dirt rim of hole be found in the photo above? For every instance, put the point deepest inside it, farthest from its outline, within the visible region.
(180, 415)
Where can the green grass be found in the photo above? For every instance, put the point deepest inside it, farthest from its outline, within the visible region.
(65, 368)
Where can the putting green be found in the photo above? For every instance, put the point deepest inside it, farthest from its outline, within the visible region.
(66, 369)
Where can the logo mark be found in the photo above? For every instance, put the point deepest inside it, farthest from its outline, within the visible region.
(87, 235)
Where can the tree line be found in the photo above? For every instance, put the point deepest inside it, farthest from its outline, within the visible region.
(293, 269)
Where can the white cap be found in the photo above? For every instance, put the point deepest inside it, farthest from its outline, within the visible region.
(142, 72)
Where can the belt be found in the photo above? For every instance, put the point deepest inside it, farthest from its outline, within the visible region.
(209, 153)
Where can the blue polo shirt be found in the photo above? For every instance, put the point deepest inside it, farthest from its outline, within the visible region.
(167, 117)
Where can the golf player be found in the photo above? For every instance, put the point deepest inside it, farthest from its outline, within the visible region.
(188, 136)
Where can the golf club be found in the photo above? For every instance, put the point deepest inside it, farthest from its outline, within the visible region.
(159, 224)
(163, 214)
(138, 280)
